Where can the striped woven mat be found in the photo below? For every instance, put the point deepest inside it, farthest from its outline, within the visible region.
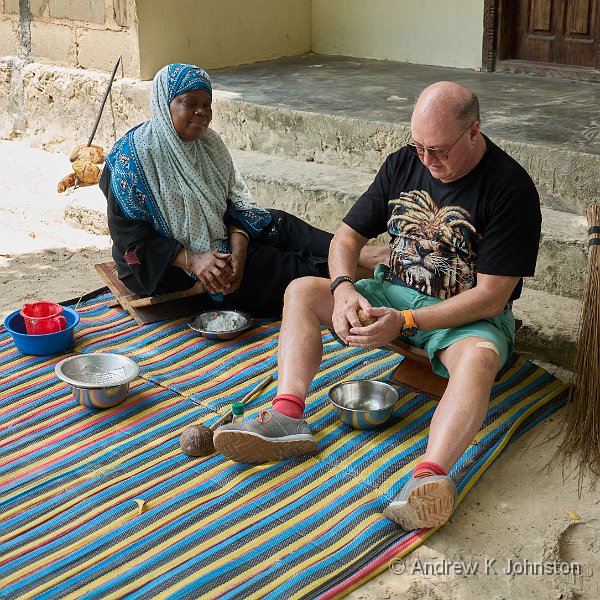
(102, 504)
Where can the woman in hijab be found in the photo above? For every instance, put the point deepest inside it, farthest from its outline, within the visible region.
(180, 214)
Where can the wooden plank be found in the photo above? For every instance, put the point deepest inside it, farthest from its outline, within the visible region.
(175, 309)
(415, 354)
(197, 290)
(108, 273)
(540, 17)
(415, 370)
(578, 19)
(420, 377)
(154, 308)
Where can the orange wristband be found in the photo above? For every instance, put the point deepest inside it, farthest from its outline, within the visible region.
(408, 318)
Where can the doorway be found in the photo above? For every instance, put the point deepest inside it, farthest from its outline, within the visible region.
(543, 37)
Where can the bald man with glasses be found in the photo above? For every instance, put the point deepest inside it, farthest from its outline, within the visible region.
(464, 224)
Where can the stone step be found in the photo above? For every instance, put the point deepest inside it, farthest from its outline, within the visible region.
(550, 326)
(353, 112)
(320, 194)
(566, 179)
(323, 194)
(52, 107)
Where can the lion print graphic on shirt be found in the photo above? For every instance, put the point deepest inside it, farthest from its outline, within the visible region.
(432, 247)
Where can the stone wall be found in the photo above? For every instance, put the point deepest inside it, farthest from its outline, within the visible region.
(91, 34)
(55, 107)
(87, 34)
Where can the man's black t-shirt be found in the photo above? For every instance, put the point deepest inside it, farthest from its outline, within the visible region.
(443, 234)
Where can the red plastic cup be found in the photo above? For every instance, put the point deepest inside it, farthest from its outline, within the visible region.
(43, 317)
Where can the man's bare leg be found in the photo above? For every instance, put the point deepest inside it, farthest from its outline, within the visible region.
(463, 407)
(275, 435)
(429, 501)
(308, 304)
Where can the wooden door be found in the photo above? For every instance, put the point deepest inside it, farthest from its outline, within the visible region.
(557, 32)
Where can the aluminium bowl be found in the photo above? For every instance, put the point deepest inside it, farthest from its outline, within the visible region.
(363, 404)
(42, 344)
(200, 323)
(98, 380)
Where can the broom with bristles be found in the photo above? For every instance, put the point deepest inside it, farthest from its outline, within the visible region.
(581, 441)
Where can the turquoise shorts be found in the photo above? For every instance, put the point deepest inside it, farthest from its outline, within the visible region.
(499, 330)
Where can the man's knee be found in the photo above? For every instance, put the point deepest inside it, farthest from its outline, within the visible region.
(474, 353)
(307, 297)
(307, 291)
(304, 286)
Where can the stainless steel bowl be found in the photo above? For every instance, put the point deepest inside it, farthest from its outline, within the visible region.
(363, 404)
(202, 322)
(98, 380)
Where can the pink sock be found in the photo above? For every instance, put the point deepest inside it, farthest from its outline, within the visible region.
(289, 405)
(427, 468)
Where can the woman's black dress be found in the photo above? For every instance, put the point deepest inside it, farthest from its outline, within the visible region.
(286, 249)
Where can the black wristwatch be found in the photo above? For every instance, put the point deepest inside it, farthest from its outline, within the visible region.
(410, 327)
(339, 280)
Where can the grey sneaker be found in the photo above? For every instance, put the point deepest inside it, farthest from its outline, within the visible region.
(423, 502)
(272, 436)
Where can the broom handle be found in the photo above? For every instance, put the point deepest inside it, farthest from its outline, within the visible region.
(257, 388)
(110, 81)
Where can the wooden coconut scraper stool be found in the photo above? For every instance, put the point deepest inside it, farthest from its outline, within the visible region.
(149, 309)
(415, 369)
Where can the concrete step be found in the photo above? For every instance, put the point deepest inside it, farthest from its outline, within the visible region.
(331, 110)
(556, 138)
(320, 194)
(562, 259)
(566, 179)
(323, 194)
(550, 326)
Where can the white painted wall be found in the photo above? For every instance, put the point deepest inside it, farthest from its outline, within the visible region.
(220, 33)
(445, 33)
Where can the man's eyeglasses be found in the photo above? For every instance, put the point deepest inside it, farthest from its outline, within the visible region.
(435, 153)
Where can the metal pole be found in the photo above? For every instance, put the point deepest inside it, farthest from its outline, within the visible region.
(110, 81)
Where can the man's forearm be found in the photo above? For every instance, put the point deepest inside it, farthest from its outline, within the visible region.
(481, 302)
(344, 252)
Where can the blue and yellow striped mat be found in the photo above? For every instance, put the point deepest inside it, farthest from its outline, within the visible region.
(102, 504)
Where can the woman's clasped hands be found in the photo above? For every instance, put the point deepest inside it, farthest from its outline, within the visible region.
(217, 271)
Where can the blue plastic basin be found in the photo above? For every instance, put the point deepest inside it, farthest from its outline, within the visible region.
(42, 344)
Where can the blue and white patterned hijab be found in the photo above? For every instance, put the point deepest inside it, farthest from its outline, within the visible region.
(183, 189)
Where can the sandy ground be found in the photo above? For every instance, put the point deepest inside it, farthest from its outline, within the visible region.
(42, 256)
(521, 532)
